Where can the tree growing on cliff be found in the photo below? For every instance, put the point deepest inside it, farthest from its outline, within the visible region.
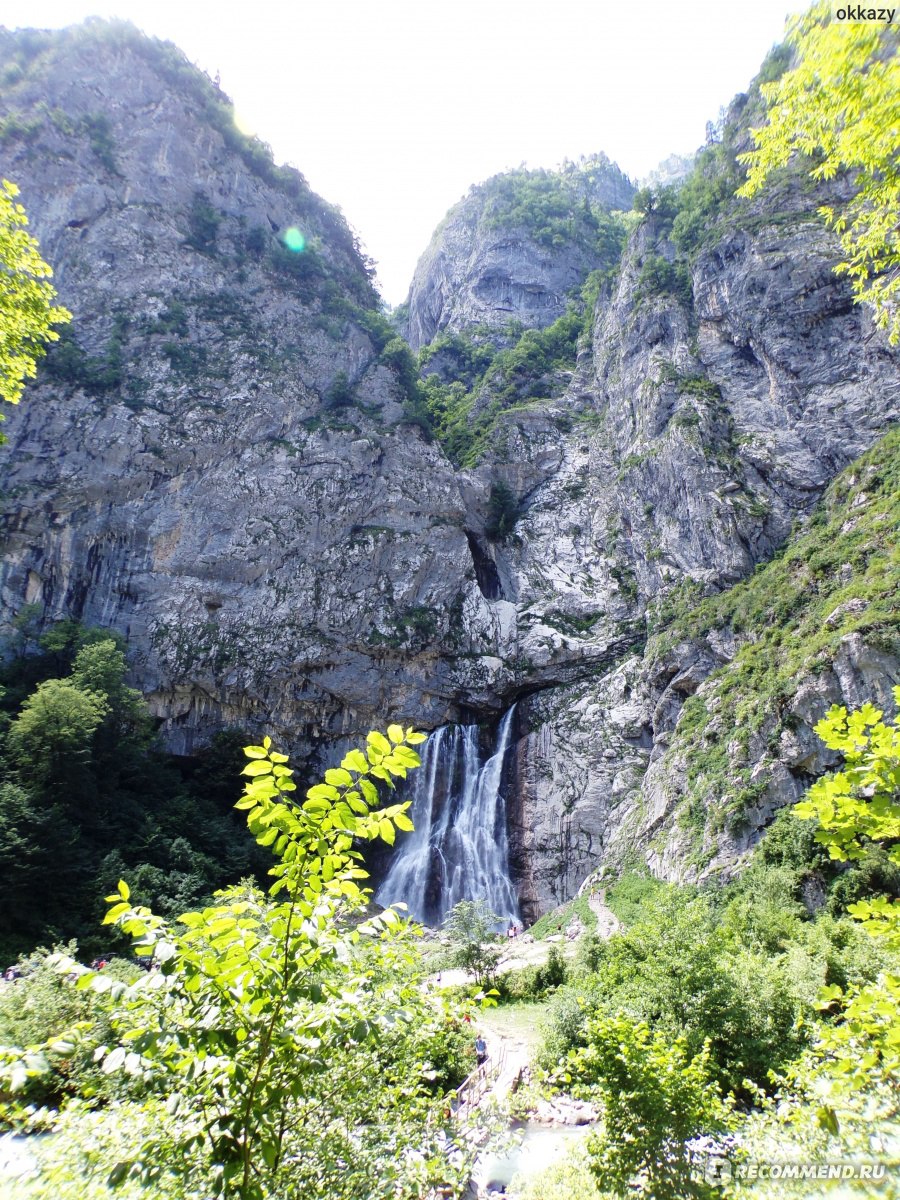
(840, 107)
(27, 312)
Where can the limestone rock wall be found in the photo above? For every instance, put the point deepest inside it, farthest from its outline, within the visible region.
(487, 264)
(219, 465)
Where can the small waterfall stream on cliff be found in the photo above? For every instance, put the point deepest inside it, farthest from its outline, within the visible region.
(459, 849)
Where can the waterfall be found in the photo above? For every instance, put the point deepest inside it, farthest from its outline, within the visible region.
(459, 849)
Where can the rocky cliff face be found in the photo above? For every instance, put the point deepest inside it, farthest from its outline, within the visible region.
(216, 462)
(708, 420)
(514, 249)
(221, 465)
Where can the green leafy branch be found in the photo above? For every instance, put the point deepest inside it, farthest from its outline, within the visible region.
(250, 998)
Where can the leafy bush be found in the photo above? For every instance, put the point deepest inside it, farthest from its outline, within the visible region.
(631, 892)
(680, 970)
(569, 1179)
(203, 224)
(657, 1095)
(98, 128)
(42, 1007)
(659, 277)
(856, 808)
(530, 369)
(68, 362)
(265, 1012)
(534, 982)
(340, 393)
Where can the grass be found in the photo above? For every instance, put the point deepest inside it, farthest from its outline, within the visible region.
(546, 926)
(838, 577)
(630, 893)
(520, 1019)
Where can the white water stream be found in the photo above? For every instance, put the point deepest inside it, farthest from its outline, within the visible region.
(459, 849)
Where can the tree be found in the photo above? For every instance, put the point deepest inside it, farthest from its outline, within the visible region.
(27, 313)
(857, 808)
(503, 511)
(657, 1096)
(265, 1012)
(51, 739)
(840, 107)
(472, 928)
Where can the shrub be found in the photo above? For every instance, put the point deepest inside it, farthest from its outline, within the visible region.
(266, 1012)
(657, 1095)
(679, 970)
(340, 393)
(203, 224)
(569, 1179)
(42, 1007)
(99, 132)
(658, 277)
(503, 512)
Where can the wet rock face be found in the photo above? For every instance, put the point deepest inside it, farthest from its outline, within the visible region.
(219, 467)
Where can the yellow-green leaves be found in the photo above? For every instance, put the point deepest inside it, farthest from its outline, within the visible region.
(338, 777)
(861, 804)
(313, 839)
(247, 989)
(840, 107)
(857, 808)
(378, 746)
(27, 315)
(355, 761)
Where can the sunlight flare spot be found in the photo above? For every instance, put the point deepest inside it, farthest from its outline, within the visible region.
(243, 125)
(294, 239)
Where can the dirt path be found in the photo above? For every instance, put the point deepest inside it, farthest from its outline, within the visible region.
(607, 921)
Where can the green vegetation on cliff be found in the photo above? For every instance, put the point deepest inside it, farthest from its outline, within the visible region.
(570, 206)
(837, 577)
(490, 382)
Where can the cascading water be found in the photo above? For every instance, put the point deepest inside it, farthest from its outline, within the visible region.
(459, 849)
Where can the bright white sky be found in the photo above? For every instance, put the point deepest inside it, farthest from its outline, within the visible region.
(392, 108)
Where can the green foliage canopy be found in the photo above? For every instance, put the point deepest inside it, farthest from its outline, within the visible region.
(854, 808)
(27, 313)
(254, 995)
(86, 795)
(656, 1096)
(839, 106)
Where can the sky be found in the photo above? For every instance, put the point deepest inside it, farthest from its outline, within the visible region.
(393, 108)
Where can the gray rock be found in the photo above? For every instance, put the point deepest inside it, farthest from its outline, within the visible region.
(284, 561)
(485, 267)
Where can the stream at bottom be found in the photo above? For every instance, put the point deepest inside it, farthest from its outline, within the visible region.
(533, 1148)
